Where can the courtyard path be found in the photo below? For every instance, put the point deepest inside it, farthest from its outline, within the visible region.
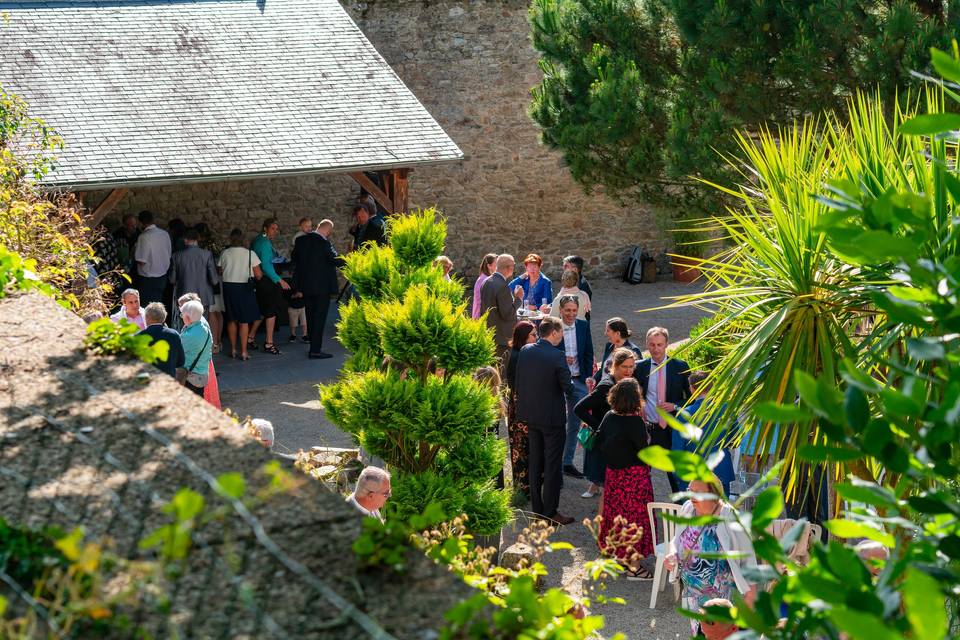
(283, 390)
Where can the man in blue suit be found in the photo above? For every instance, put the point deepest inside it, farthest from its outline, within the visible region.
(665, 383)
(155, 314)
(577, 347)
(543, 382)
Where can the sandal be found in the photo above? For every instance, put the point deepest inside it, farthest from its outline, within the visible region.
(252, 344)
(216, 348)
(640, 573)
(233, 355)
(244, 357)
(269, 347)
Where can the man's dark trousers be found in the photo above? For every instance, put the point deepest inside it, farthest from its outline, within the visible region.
(664, 438)
(151, 289)
(546, 467)
(317, 307)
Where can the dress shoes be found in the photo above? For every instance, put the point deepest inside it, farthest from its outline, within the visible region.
(570, 470)
(560, 519)
(319, 356)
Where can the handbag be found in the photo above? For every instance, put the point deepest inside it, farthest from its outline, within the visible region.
(587, 437)
(198, 379)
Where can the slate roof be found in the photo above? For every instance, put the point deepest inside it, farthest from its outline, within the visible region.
(162, 91)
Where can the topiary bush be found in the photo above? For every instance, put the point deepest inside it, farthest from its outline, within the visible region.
(407, 394)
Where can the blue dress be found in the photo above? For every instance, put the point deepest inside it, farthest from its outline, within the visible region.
(703, 578)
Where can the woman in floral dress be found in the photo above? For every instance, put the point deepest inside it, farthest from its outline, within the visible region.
(524, 333)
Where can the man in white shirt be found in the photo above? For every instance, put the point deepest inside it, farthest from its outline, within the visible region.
(152, 255)
(371, 492)
(577, 346)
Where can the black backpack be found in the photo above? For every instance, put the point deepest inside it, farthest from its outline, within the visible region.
(633, 271)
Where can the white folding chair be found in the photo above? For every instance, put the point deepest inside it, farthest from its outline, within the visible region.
(655, 511)
(815, 532)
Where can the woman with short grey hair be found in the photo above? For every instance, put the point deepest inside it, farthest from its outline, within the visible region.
(197, 348)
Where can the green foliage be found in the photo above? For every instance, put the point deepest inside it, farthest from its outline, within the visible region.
(47, 230)
(407, 393)
(639, 95)
(486, 511)
(174, 539)
(369, 270)
(105, 337)
(886, 415)
(387, 544)
(418, 238)
(703, 352)
(357, 333)
(25, 554)
(431, 278)
(17, 274)
(414, 492)
(422, 326)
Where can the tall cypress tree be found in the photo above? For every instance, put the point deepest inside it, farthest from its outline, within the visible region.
(639, 95)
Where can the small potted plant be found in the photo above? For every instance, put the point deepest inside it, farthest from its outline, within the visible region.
(687, 255)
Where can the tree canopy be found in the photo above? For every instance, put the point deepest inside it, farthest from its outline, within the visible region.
(639, 95)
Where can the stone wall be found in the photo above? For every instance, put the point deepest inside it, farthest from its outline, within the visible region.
(472, 65)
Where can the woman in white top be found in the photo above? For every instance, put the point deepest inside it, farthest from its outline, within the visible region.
(693, 553)
(570, 280)
(239, 266)
(131, 311)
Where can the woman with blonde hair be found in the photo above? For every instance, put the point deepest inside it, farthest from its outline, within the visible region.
(692, 555)
(487, 266)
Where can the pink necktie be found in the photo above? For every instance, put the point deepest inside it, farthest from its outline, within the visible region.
(661, 393)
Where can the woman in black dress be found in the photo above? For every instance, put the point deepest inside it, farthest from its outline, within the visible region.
(591, 411)
(618, 335)
(627, 488)
(524, 333)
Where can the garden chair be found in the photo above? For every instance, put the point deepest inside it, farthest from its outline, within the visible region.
(655, 511)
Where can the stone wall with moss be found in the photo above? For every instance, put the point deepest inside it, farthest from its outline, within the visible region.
(472, 66)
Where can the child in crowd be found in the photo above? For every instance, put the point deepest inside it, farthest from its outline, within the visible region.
(297, 314)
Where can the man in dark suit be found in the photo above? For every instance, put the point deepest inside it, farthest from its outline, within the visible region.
(315, 276)
(155, 314)
(577, 348)
(543, 382)
(501, 304)
(665, 383)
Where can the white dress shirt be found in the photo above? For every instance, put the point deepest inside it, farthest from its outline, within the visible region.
(653, 383)
(570, 348)
(153, 252)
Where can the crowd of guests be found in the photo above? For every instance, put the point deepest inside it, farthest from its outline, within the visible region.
(561, 396)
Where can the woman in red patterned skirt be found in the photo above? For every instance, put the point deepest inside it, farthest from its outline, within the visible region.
(524, 333)
(627, 488)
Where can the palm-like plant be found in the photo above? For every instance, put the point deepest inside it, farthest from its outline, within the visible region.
(794, 306)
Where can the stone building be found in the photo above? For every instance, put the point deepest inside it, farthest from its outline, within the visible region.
(471, 64)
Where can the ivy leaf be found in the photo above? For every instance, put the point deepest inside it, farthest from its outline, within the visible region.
(930, 123)
(858, 490)
(923, 602)
(781, 413)
(862, 625)
(852, 529)
(820, 395)
(231, 485)
(768, 506)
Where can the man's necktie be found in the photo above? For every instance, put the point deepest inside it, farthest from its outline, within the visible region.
(661, 392)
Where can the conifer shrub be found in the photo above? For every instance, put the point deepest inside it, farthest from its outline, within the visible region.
(406, 394)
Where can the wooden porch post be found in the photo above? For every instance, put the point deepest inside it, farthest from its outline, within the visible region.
(112, 200)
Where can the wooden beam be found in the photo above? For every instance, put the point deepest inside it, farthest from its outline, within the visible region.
(382, 199)
(113, 198)
(399, 182)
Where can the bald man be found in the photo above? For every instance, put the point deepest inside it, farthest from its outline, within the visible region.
(501, 304)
